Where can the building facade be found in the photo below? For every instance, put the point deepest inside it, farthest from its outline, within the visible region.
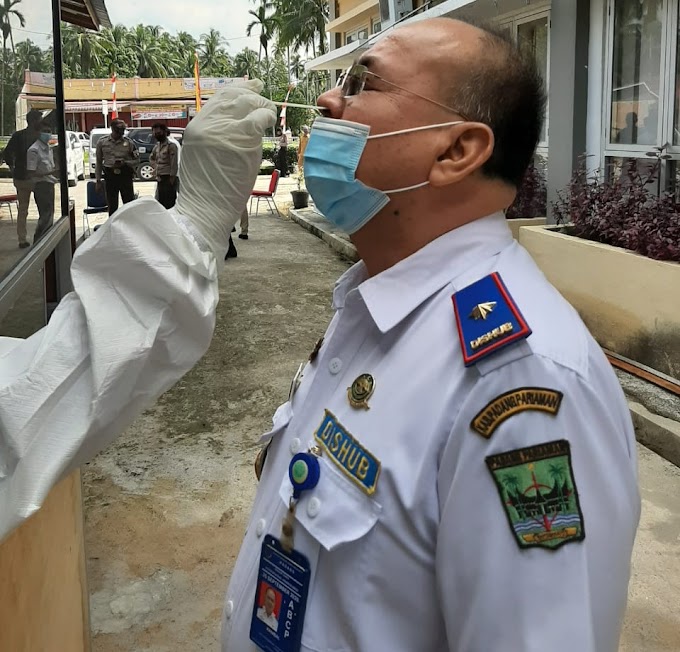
(618, 64)
(140, 101)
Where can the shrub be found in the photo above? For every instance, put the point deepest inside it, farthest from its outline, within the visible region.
(269, 154)
(532, 196)
(622, 212)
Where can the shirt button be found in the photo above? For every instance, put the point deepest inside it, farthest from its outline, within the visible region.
(294, 446)
(259, 528)
(313, 507)
(229, 608)
(335, 365)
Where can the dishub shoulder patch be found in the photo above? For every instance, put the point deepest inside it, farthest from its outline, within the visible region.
(487, 318)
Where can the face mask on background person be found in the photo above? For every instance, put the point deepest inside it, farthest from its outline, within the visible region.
(331, 160)
(45, 137)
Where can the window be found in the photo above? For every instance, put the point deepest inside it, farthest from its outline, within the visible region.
(359, 34)
(375, 25)
(642, 98)
(531, 30)
(636, 72)
(532, 39)
(384, 10)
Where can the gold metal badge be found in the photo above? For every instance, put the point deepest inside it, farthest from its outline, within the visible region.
(361, 390)
(481, 310)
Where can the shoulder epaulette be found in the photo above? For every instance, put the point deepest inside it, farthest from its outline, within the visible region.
(487, 318)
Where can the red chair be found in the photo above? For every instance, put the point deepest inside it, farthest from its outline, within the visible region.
(8, 200)
(267, 195)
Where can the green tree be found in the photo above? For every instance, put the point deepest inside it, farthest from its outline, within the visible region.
(29, 56)
(511, 483)
(213, 57)
(117, 54)
(246, 63)
(8, 11)
(150, 59)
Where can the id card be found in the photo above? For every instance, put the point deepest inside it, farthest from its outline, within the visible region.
(280, 598)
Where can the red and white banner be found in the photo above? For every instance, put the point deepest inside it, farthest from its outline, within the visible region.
(114, 108)
(284, 107)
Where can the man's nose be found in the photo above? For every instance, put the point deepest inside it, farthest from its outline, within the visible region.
(333, 102)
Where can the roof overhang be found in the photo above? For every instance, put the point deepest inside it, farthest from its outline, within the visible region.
(346, 55)
(339, 24)
(90, 14)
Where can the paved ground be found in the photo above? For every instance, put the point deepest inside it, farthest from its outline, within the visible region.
(167, 505)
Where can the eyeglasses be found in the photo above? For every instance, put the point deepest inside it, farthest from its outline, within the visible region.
(353, 81)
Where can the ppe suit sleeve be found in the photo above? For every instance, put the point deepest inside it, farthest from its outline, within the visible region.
(537, 514)
(141, 315)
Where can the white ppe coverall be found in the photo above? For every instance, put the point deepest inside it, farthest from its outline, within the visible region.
(141, 314)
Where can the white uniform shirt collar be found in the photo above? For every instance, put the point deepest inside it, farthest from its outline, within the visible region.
(393, 294)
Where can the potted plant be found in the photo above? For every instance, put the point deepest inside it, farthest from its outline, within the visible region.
(615, 256)
(300, 196)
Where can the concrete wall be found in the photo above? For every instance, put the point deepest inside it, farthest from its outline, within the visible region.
(629, 302)
(516, 224)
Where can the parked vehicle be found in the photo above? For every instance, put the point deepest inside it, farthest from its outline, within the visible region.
(95, 135)
(75, 166)
(144, 140)
(83, 138)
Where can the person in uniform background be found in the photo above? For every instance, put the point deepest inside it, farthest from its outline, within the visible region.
(266, 612)
(304, 137)
(40, 167)
(117, 159)
(282, 154)
(15, 157)
(164, 158)
(477, 481)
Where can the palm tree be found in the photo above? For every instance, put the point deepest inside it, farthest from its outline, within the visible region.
(81, 50)
(115, 45)
(511, 483)
(303, 24)
(29, 56)
(557, 473)
(150, 61)
(267, 25)
(246, 63)
(7, 11)
(214, 59)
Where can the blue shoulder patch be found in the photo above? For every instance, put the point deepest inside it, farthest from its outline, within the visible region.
(487, 318)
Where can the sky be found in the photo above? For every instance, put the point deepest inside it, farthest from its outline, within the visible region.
(230, 17)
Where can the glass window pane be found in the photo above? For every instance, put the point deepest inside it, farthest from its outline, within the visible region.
(676, 117)
(623, 169)
(636, 72)
(532, 38)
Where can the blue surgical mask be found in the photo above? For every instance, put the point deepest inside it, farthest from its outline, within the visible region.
(331, 160)
(45, 137)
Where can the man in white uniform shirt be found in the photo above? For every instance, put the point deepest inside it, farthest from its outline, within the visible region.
(41, 170)
(455, 468)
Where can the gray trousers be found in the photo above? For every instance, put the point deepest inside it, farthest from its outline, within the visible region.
(43, 193)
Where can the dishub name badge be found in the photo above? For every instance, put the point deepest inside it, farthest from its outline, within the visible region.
(538, 493)
(487, 318)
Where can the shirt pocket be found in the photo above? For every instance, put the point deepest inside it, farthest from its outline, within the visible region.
(335, 512)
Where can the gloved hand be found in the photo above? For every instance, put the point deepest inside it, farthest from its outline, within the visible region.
(221, 156)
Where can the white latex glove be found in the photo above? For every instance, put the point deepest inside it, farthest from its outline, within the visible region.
(221, 156)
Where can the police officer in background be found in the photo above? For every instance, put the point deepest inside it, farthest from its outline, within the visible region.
(117, 159)
(455, 468)
(165, 159)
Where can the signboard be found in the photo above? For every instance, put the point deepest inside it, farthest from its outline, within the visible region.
(158, 112)
(105, 107)
(209, 83)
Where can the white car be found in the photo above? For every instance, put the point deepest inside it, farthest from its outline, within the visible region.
(75, 166)
(83, 138)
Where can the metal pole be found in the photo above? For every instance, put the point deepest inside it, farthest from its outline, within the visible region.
(59, 96)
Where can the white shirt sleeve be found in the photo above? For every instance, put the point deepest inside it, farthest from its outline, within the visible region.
(497, 595)
(32, 159)
(142, 313)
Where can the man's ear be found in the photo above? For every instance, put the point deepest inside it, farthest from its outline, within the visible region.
(469, 146)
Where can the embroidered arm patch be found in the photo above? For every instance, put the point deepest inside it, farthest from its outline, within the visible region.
(510, 403)
(538, 493)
